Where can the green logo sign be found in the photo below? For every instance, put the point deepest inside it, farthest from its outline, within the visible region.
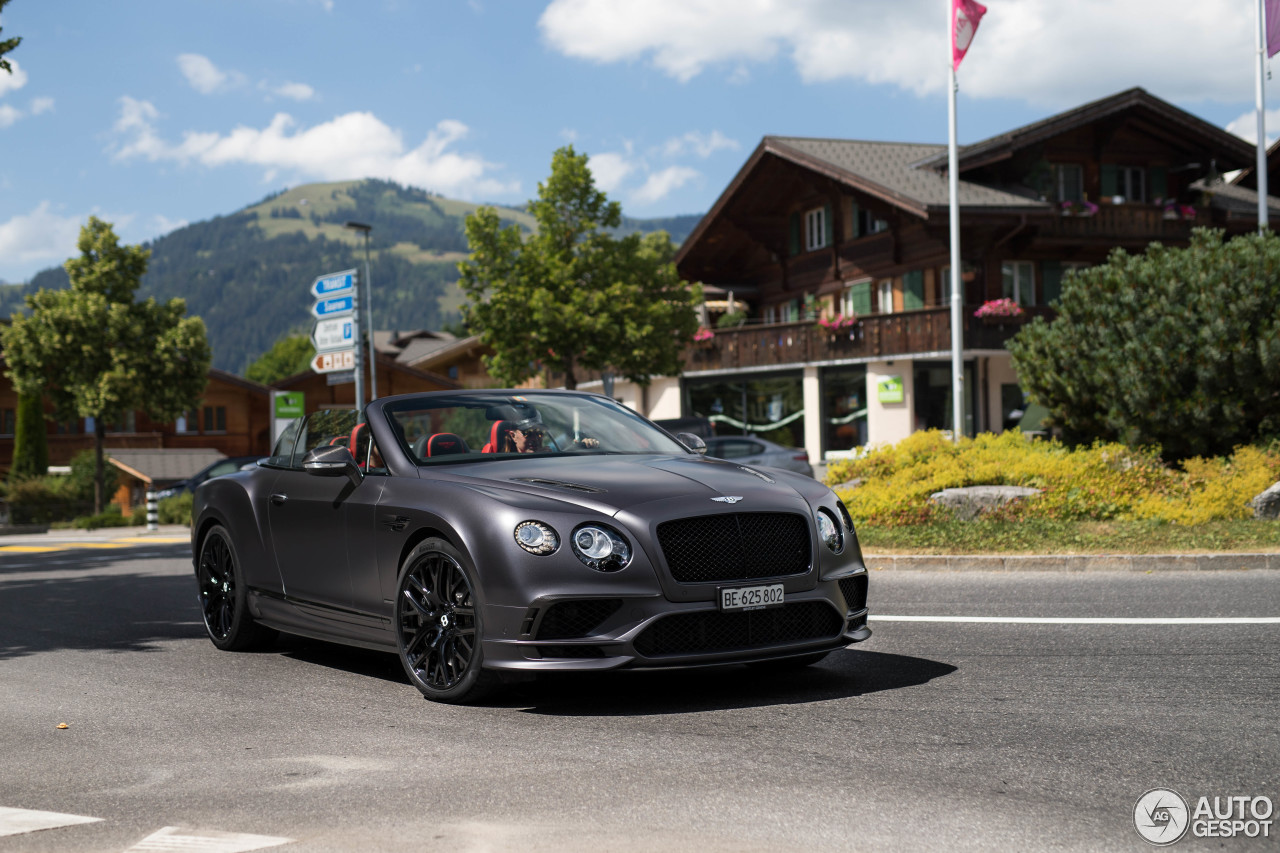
(890, 389)
(289, 404)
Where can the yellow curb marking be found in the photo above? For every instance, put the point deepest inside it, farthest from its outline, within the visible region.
(159, 540)
(26, 549)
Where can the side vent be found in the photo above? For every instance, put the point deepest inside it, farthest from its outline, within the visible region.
(557, 484)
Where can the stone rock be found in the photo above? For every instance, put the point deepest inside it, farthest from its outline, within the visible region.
(969, 502)
(1267, 504)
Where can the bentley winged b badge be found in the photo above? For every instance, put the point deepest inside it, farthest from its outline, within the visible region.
(728, 500)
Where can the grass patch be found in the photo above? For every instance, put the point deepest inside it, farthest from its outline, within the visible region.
(1049, 536)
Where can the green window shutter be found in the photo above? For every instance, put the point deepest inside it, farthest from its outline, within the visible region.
(853, 217)
(1159, 181)
(795, 234)
(913, 290)
(830, 223)
(861, 297)
(1051, 274)
(1110, 186)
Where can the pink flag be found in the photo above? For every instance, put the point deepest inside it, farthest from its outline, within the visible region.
(965, 16)
(1273, 27)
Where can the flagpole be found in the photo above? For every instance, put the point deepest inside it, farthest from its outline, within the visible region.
(957, 361)
(1261, 103)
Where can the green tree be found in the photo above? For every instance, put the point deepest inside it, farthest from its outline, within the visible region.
(1175, 347)
(571, 297)
(290, 354)
(6, 45)
(98, 354)
(30, 439)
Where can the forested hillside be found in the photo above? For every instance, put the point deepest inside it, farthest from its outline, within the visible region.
(248, 274)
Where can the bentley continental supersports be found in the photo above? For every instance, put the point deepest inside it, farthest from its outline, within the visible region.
(477, 533)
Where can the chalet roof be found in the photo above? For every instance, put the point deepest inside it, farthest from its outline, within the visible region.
(166, 465)
(439, 354)
(887, 169)
(1002, 145)
(1233, 197)
(239, 381)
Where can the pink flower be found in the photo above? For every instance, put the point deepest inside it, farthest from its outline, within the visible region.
(999, 308)
(703, 335)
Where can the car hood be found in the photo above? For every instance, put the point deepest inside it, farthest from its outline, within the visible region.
(611, 484)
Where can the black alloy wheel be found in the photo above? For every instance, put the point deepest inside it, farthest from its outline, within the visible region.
(222, 596)
(438, 625)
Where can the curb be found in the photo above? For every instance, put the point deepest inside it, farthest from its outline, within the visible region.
(1074, 562)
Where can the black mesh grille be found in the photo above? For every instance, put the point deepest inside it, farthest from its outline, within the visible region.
(854, 590)
(567, 620)
(570, 652)
(737, 546)
(713, 631)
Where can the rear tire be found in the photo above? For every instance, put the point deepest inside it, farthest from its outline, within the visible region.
(440, 626)
(223, 596)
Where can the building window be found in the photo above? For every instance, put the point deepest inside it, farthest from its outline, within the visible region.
(1019, 281)
(886, 296)
(8, 422)
(215, 418)
(188, 422)
(868, 224)
(453, 372)
(1068, 182)
(791, 311)
(815, 229)
(856, 300)
(1131, 183)
(770, 315)
(128, 424)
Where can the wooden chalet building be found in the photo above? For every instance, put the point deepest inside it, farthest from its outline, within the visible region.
(859, 229)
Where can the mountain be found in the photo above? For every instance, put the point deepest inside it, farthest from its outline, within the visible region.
(248, 274)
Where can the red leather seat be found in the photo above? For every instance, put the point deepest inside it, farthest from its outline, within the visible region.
(444, 443)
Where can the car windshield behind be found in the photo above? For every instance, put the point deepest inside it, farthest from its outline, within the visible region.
(471, 427)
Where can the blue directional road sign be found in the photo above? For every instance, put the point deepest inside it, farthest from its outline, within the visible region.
(333, 307)
(334, 284)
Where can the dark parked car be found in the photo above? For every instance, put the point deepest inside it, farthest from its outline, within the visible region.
(750, 450)
(216, 469)
(476, 533)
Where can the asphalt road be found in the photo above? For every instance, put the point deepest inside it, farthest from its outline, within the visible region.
(932, 735)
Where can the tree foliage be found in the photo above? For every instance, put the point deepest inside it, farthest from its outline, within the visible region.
(96, 353)
(6, 45)
(572, 297)
(290, 354)
(1175, 347)
(30, 439)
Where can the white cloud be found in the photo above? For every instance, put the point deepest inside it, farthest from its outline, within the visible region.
(353, 145)
(610, 169)
(205, 77)
(9, 115)
(1042, 51)
(13, 81)
(40, 106)
(702, 144)
(161, 224)
(661, 184)
(295, 91)
(1246, 126)
(40, 236)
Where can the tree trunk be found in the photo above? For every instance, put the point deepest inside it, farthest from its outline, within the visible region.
(99, 472)
(570, 381)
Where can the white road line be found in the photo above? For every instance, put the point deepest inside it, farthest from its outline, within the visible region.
(18, 821)
(1090, 620)
(173, 839)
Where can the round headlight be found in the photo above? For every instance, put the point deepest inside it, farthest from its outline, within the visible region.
(829, 532)
(601, 548)
(536, 538)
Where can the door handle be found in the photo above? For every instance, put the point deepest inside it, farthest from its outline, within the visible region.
(279, 499)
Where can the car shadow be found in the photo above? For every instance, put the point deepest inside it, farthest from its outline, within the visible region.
(842, 674)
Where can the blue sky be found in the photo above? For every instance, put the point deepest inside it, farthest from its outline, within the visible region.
(155, 113)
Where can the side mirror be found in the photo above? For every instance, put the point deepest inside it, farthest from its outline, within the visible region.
(693, 442)
(332, 460)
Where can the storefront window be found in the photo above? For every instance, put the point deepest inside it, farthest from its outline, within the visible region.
(844, 406)
(933, 396)
(771, 407)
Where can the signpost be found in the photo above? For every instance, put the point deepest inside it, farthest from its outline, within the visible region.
(335, 335)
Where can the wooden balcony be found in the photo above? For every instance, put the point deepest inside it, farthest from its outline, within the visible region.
(1124, 223)
(877, 336)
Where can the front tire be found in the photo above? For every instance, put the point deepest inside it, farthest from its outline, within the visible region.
(223, 596)
(439, 625)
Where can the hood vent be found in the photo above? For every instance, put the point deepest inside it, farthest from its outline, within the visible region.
(558, 484)
(764, 477)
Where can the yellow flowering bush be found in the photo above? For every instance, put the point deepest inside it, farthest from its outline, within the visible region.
(890, 486)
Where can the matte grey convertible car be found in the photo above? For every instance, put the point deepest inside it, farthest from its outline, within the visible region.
(477, 532)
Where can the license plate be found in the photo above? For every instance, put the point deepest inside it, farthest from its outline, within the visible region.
(751, 597)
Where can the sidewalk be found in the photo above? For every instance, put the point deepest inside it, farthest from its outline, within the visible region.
(107, 537)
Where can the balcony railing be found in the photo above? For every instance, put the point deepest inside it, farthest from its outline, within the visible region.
(877, 336)
(1125, 222)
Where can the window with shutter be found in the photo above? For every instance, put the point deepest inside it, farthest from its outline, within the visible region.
(913, 290)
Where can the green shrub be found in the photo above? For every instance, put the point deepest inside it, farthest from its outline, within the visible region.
(110, 517)
(1101, 482)
(44, 500)
(731, 320)
(177, 509)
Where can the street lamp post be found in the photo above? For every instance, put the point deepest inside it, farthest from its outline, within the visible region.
(368, 308)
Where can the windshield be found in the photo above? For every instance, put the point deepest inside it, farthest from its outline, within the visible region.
(476, 427)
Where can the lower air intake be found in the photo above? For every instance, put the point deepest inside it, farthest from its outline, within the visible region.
(708, 632)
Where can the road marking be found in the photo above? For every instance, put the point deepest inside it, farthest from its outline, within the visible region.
(172, 839)
(1090, 620)
(27, 549)
(19, 821)
(114, 544)
(154, 540)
